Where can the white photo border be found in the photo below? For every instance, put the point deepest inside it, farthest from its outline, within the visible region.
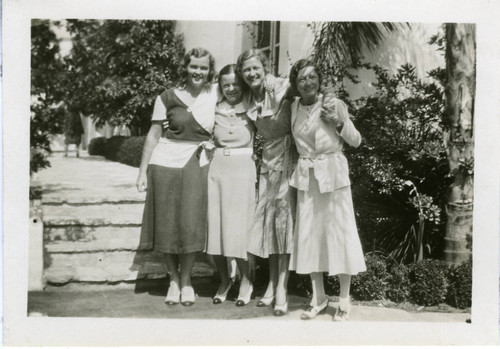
(20, 330)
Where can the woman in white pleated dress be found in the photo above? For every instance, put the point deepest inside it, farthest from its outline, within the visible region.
(325, 236)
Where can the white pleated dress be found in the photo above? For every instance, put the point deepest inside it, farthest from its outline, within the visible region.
(231, 183)
(325, 236)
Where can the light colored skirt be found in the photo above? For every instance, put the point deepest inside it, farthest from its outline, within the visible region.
(231, 204)
(326, 237)
(273, 229)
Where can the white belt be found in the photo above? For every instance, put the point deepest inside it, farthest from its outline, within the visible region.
(178, 152)
(320, 157)
(234, 151)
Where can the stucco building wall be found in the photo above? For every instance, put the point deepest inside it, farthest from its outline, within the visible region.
(226, 40)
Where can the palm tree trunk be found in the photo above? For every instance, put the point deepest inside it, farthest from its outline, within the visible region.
(459, 139)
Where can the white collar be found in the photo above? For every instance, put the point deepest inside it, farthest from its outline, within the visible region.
(238, 108)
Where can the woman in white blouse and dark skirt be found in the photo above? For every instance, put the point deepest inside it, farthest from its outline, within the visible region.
(325, 236)
(174, 169)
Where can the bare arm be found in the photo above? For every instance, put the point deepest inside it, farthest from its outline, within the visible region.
(151, 141)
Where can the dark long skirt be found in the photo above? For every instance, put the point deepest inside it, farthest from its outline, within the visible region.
(175, 213)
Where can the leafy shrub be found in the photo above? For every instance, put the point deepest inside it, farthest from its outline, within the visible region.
(332, 285)
(300, 284)
(113, 146)
(459, 293)
(398, 284)
(428, 282)
(97, 146)
(130, 152)
(127, 150)
(371, 284)
(400, 169)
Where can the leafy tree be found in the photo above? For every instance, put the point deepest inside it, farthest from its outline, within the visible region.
(338, 47)
(47, 72)
(400, 169)
(116, 68)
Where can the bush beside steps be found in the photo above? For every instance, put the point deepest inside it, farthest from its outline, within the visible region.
(127, 150)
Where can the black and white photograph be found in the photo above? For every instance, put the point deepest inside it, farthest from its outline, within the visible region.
(222, 175)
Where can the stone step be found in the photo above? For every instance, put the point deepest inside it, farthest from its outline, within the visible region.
(106, 196)
(93, 215)
(85, 239)
(114, 266)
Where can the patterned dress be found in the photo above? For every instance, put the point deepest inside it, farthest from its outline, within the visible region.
(231, 183)
(326, 237)
(274, 217)
(175, 213)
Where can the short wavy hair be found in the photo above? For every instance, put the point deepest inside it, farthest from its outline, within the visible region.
(231, 69)
(297, 67)
(197, 52)
(254, 52)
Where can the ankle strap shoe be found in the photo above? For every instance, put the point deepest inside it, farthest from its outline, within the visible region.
(314, 310)
(265, 301)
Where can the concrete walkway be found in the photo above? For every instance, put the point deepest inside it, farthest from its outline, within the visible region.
(146, 300)
(89, 179)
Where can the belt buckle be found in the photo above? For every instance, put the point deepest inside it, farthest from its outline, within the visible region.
(226, 151)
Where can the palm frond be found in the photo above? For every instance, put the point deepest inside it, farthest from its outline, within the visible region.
(343, 42)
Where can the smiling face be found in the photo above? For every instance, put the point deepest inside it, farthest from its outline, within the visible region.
(197, 71)
(253, 72)
(230, 85)
(308, 84)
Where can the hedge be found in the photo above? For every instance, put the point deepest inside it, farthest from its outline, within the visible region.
(459, 293)
(428, 282)
(127, 150)
(371, 284)
(130, 152)
(97, 146)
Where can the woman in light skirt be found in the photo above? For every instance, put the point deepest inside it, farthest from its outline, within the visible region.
(326, 238)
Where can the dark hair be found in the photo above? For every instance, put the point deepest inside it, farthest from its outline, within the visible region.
(231, 69)
(254, 52)
(297, 67)
(196, 52)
